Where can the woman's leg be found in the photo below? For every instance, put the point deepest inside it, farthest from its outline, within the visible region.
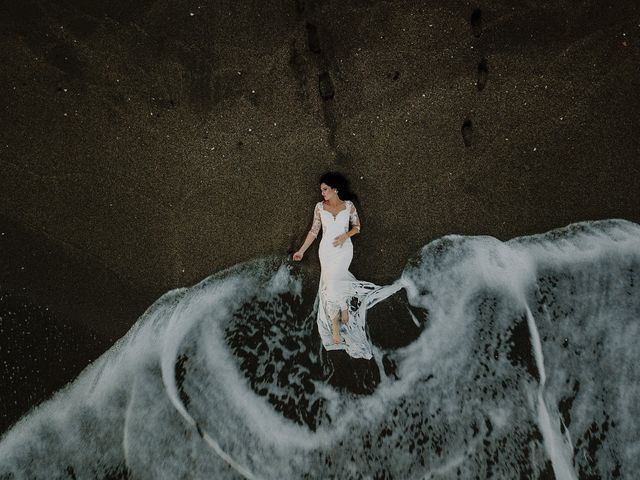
(335, 330)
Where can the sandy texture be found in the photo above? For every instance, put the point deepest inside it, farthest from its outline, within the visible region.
(170, 145)
(167, 140)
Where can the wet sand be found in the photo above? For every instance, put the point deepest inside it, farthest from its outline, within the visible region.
(145, 146)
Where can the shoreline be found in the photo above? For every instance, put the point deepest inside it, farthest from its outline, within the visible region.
(199, 144)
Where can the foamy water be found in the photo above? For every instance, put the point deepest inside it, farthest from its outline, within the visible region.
(526, 366)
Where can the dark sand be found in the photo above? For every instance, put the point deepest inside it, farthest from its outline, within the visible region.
(146, 145)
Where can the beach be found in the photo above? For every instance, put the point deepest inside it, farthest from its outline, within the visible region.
(145, 146)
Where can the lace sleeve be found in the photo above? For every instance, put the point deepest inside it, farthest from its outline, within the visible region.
(317, 222)
(353, 217)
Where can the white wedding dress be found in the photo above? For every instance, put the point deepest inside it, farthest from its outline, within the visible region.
(339, 289)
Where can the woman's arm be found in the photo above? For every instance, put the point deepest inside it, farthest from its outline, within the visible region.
(355, 227)
(307, 243)
(340, 239)
(311, 236)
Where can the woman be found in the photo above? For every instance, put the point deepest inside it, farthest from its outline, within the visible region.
(343, 299)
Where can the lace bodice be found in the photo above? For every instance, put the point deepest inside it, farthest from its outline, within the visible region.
(349, 207)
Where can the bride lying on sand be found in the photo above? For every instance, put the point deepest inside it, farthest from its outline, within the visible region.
(343, 299)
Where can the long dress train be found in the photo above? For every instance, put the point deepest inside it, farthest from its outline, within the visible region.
(339, 289)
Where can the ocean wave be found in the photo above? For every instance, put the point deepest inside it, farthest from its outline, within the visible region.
(523, 364)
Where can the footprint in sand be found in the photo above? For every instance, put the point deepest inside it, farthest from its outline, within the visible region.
(325, 86)
(312, 38)
(467, 132)
(476, 22)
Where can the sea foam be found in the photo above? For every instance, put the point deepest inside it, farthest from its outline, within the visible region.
(526, 365)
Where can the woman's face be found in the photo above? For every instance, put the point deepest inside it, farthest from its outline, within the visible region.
(327, 192)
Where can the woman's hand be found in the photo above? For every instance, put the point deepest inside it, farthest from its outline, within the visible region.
(298, 256)
(340, 239)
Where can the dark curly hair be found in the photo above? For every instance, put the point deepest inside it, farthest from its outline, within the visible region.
(338, 181)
